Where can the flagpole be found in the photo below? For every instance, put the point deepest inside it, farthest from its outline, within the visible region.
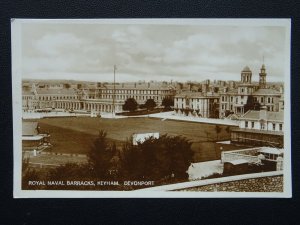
(114, 92)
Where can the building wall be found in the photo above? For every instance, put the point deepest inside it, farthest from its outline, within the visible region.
(258, 139)
(261, 184)
(204, 105)
(257, 125)
(100, 99)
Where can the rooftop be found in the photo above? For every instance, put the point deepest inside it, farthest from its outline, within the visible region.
(29, 128)
(266, 91)
(141, 86)
(246, 69)
(64, 91)
(270, 116)
(269, 150)
(197, 95)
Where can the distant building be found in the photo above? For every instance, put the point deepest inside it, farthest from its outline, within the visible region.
(197, 104)
(247, 95)
(102, 98)
(95, 97)
(262, 128)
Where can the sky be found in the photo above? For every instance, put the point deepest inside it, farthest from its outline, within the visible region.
(150, 51)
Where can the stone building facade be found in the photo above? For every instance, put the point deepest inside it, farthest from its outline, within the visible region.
(237, 100)
(197, 104)
(99, 98)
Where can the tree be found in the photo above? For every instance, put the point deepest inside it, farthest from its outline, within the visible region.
(214, 110)
(251, 104)
(167, 102)
(100, 155)
(157, 159)
(150, 104)
(130, 105)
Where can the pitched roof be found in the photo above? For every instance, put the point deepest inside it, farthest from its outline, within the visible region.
(27, 92)
(64, 91)
(196, 95)
(270, 116)
(142, 86)
(271, 150)
(29, 128)
(266, 91)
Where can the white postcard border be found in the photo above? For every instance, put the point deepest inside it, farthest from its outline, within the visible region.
(16, 45)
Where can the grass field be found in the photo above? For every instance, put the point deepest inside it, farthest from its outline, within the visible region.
(75, 135)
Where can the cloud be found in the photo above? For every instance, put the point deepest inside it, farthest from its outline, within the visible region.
(56, 44)
(152, 51)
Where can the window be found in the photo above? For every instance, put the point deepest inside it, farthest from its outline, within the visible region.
(262, 126)
(269, 100)
(280, 127)
(246, 124)
(242, 89)
(252, 124)
(274, 125)
(262, 99)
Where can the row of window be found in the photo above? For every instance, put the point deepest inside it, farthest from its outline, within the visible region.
(111, 91)
(256, 99)
(262, 125)
(124, 97)
(60, 97)
(195, 100)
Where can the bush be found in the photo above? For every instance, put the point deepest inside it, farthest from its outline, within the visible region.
(130, 105)
(156, 159)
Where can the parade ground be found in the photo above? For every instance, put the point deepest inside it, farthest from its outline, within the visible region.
(75, 135)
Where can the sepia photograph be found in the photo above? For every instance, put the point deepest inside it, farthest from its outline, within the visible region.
(151, 108)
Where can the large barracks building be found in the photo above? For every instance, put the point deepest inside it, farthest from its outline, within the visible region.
(90, 97)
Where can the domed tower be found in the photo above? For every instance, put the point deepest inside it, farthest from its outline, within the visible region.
(246, 87)
(246, 75)
(262, 77)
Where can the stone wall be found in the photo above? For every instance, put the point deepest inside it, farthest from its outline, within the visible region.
(260, 184)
